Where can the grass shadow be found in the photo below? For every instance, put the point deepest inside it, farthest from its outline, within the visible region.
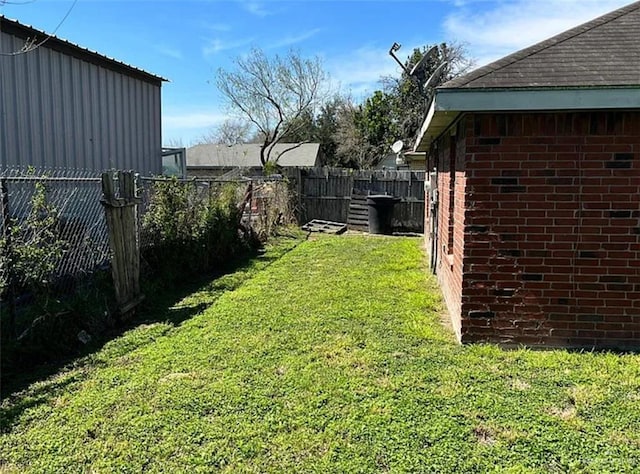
(162, 304)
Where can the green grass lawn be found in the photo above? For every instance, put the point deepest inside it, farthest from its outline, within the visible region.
(333, 358)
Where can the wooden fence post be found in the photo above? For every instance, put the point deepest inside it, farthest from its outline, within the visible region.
(124, 240)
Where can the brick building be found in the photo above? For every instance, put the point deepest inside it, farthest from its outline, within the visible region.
(533, 221)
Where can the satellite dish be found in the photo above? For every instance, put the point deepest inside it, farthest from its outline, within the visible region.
(435, 76)
(397, 146)
(424, 58)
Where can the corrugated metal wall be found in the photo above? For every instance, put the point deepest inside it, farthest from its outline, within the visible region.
(63, 112)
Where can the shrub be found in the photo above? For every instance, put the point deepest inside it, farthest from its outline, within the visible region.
(189, 226)
(274, 208)
(35, 250)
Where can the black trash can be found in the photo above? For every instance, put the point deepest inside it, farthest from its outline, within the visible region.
(380, 213)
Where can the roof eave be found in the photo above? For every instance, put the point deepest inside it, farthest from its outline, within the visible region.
(436, 122)
(449, 103)
(14, 27)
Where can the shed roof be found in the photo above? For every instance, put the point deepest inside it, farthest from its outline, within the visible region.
(29, 33)
(600, 53)
(248, 155)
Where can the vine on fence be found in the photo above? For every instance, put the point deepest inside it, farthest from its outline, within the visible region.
(33, 248)
(274, 208)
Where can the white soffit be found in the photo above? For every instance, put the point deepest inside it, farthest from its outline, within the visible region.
(449, 103)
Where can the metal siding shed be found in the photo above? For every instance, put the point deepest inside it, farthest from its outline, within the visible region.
(63, 106)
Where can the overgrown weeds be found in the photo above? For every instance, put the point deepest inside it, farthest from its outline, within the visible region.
(31, 250)
(189, 227)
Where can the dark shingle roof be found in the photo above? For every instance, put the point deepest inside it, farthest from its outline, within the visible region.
(604, 52)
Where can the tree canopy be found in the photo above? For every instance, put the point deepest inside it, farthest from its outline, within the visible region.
(285, 99)
(407, 93)
(274, 94)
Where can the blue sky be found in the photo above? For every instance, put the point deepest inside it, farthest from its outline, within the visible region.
(187, 41)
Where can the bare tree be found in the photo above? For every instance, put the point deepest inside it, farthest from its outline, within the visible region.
(230, 132)
(273, 93)
(353, 148)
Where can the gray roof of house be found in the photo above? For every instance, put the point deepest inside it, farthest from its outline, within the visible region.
(604, 52)
(26, 32)
(248, 155)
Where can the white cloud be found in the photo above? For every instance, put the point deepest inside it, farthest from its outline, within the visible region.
(359, 71)
(218, 45)
(255, 8)
(217, 27)
(291, 40)
(503, 27)
(169, 51)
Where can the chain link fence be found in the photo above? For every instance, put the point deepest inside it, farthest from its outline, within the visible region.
(57, 293)
(72, 198)
(65, 206)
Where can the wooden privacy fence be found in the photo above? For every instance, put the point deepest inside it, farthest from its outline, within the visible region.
(326, 193)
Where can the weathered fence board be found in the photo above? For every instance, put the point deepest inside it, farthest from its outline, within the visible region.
(325, 193)
(124, 238)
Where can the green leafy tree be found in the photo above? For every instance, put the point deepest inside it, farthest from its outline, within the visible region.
(353, 149)
(327, 125)
(320, 128)
(363, 132)
(410, 99)
(377, 119)
(303, 129)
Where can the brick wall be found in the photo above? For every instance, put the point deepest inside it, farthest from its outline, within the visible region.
(551, 233)
(448, 159)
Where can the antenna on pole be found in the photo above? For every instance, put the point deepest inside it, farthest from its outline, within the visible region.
(425, 57)
(395, 47)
